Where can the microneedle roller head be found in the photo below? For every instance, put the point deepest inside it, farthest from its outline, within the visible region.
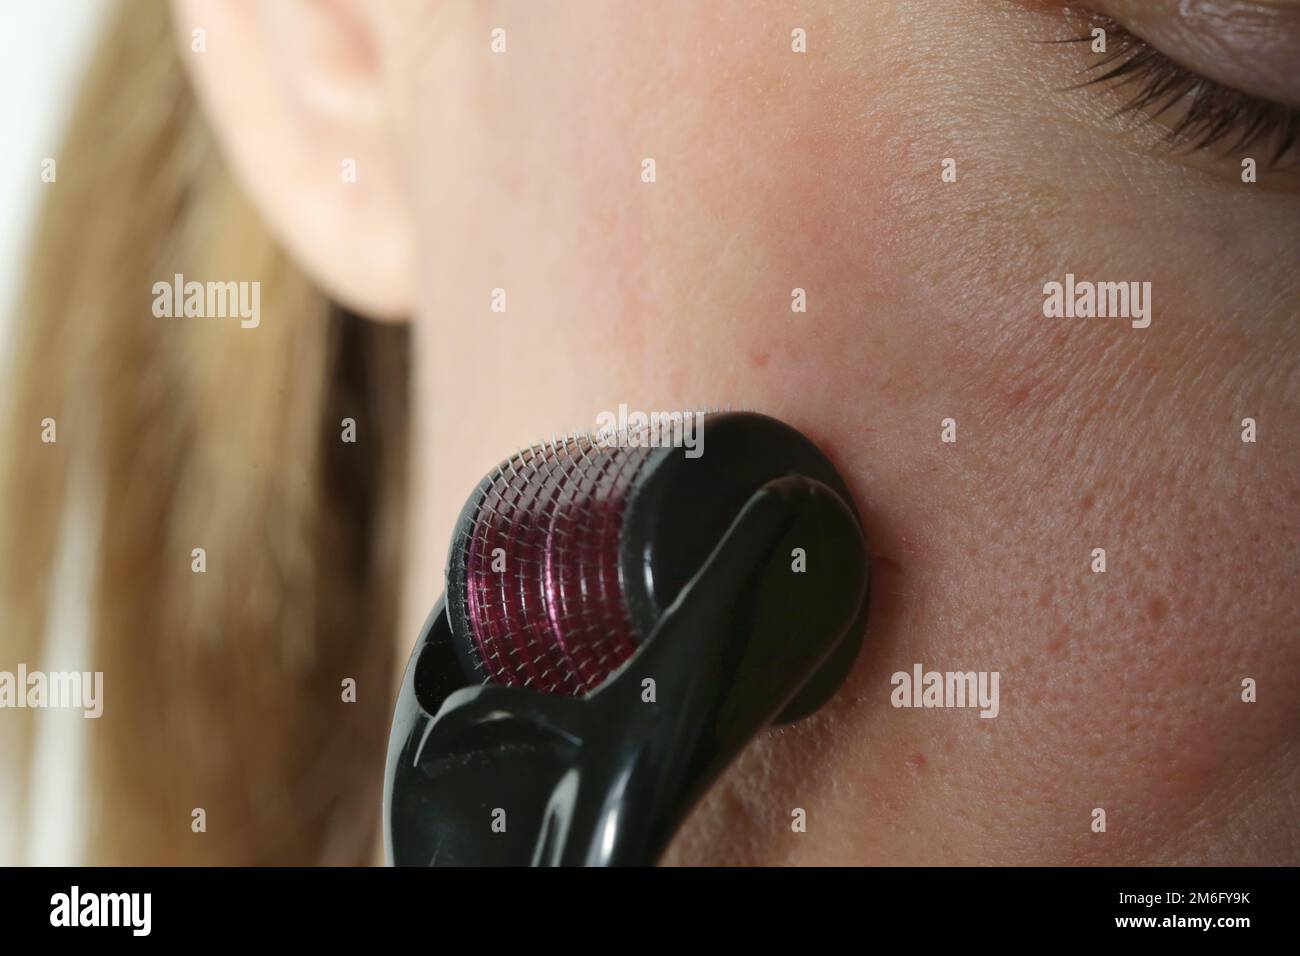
(568, 552)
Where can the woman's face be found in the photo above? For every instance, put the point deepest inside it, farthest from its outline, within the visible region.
(921, 172)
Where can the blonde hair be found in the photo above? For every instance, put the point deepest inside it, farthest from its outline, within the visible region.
(222, 690)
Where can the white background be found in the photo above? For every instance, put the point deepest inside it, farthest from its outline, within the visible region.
(44, 48)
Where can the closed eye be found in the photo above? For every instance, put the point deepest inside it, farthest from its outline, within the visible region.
(1197, 112)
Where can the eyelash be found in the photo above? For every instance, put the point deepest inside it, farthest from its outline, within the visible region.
(1214, 114)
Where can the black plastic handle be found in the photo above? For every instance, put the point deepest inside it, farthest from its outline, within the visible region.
(496, 775)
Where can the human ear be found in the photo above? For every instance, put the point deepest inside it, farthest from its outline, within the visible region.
(294, 91)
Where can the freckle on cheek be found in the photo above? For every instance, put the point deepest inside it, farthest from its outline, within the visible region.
(1017, 395)
(1157, 609)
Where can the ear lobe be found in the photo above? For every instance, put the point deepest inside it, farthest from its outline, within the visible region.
(294, 91)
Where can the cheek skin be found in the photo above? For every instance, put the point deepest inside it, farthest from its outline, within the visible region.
(1118, 690)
